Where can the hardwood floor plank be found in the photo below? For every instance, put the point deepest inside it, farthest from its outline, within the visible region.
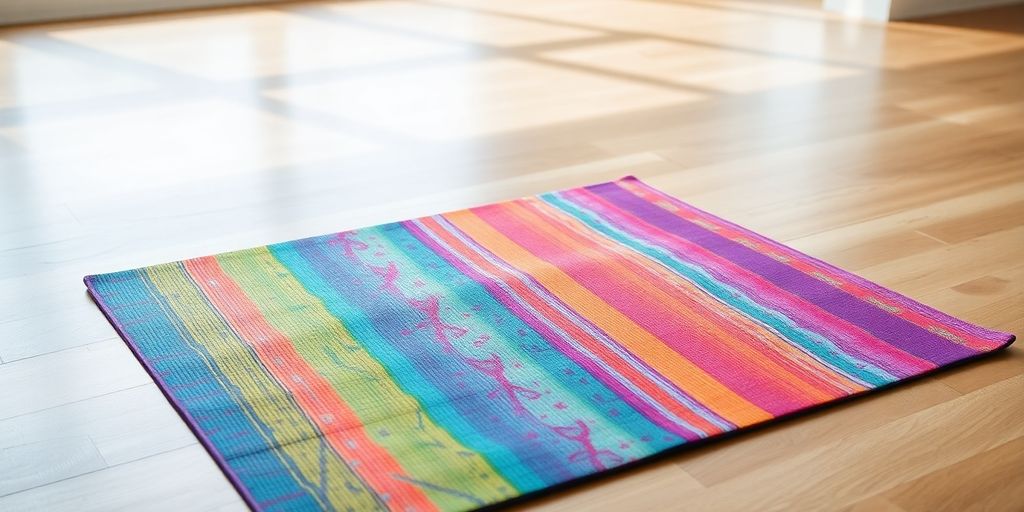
(875, 504)
(989, 481)
(1000, 367)
(68, 376)
(181, 479)
(984, 295)
(948, 266)
(31, 465)
(906, 232)
(122, 426)
(652, 488)
(899, 452)
(45, 333)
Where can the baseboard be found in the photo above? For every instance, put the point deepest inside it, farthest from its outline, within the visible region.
(13, 12)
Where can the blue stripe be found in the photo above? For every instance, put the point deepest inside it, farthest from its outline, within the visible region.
(413, 359)
(216, 405)
(551, 363)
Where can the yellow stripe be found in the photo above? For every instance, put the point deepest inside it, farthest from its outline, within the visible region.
(395, 419)
(292, 435)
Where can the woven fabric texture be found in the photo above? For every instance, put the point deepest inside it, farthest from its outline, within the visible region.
(460, 360)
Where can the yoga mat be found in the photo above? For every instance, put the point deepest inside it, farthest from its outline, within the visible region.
(464, 359)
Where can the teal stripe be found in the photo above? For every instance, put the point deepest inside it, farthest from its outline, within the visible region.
(510, 335)
(403, 370)
(816, 345)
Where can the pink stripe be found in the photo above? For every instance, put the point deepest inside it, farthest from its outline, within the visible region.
(745, 331)
(850, 339)
(749, 381)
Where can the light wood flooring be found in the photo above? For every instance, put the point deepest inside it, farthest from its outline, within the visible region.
(894, 151)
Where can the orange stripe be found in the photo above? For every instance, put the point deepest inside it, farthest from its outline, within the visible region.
(590, 344)
(703, 387)
(838, 379)
(744, 337)
(338, 423)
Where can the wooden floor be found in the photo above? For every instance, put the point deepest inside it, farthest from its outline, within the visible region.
(896, 152)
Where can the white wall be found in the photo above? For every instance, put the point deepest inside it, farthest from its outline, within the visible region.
(867, 9)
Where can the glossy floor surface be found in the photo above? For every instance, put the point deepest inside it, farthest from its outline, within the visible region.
(896, 152)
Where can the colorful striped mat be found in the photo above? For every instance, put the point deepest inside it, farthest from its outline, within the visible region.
(460, 360)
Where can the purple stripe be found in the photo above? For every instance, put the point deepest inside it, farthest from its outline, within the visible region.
(894, 330)
(923, 309)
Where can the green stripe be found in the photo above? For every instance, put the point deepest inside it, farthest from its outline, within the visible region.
(394, 419)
